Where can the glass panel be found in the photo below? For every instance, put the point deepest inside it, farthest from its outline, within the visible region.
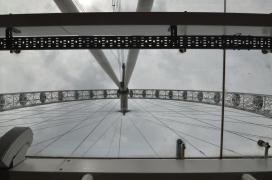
(152, 126)
(191, 82)
(248, 117)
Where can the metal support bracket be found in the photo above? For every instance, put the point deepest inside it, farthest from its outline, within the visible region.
(174, 30)
(266, 145)
(174, 33)
(9, 39)
(180, 149)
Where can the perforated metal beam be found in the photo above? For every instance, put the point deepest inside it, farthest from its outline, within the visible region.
(136, 42)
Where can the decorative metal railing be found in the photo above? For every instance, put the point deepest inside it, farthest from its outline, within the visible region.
(256, 103)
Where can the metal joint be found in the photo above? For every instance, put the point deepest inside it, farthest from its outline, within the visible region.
(9, 39)
(266, 145)
(180, 149)
(125, 91)
(174, 30)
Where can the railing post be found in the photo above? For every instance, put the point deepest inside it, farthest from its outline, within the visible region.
(223, 105)
(264, 100)
(13, 100)
(243, 101)
(266, 145)
(51, 94)
(180, 154)
(178, 95)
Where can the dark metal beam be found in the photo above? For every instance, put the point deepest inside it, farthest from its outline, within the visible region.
(136, 42)
(136, 18)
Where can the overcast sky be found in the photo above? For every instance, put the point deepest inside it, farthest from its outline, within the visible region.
(247, 71)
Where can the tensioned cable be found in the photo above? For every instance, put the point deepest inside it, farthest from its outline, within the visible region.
(111, 143)
(67, 132)
(86, 137)
(235, 120)
(120, 135)
(210, 124)
(178, 112)
(100, 137)
(202, 105)
(195, 112)
(51, 138)
(145, 138)
(171, 129)
(62, 133)
(80, 108)
(30, 115)
(63, 124)
(208, 127)
(38, 108)
(239, 120)
(68, 105)
(252, 135)
(59, 116)
(191, 135)
(202, 140)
